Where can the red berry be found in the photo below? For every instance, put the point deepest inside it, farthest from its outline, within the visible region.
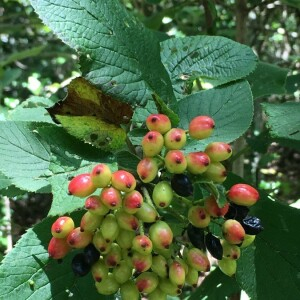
(101, 175)
(58, 248)
(212, 207)
(198, 260)
(62, 227)
(197, 162)
(147, 282)
(198, 216)
(158, 122)
(147, 169)
(95, 206)
(243, 194)
(132, 202)
(152, 143)
(175, 161)
(79, 239)
(161, 235)
(201, 127)
(218, 151)
(175, 139)
(142, 244)
(123, 181)
(141, 262)
(127, 221)
(233, 232)
(81, 186)
(111, 198)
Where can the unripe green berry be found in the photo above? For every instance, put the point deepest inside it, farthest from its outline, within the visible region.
(175, 139)
(128, 290)
(122, 272)
(216, 172)
(198, 216)
(168, 287)
(175, 162)
(177, 273)
(108, 285)
(227, 266)
(81, 186)
(147, 213)
(62, 227)
(101, 175)
(201, 127)
(125, 238)
(158, 122)
(162, 194)
(123, 181)
(161, 235)
(147, 169)
(109, 228)
(157, 294)
(114, 256)
(90, 222)
(95, 206)
(152, 143)
(99, 270)
(197, 162)
(101, 243)
(248, 240)
(231, 251)
(159, 265)
(58, 248)
(192, 277)
(218, 151)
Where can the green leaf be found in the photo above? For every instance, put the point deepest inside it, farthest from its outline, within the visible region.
(4, 181)
(293, 3)
(24, 158)
(231, 107)
(283, 120)
(292, 83)
(216, 286)
(32, 110)
(27, 272)
(127, 161)
(268, 79)
(214, 60)
(69, 157)
(118, 54)
(277, 246)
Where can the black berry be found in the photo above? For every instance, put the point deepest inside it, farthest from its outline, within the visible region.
(182, 185)
(196, 236)
(252, 225)
(79, 265)
(214, 246)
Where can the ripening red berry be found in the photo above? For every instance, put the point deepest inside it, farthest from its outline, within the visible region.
(177, 273)
(218, 151)
(90, 222)
(158, 122)
(113, 257)
(212, 207)
(142, 243)
(81, 186)
(95, 206)
(58, 248)
(111, 198)
(62, 227)
(79, 239)
(141, 262)
(101, 243)
(123, 181)
(175, 161)
(162, 194)
(175, 139)
(198, 260)
(243, 194)
(197, 162)
(147, 282)
(132, 202)
(201, 127)
(233, 232)
(216, 172)
(147, 169)
(198, 216)
(161, 235)
(101, 175)
(152, 143)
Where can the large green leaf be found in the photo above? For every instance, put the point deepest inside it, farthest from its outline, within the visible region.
(24, 158)
(214, 60)
(268, 79)
(216, 286)
(118, 54)
(284, 120)
(294, 3)
(28, 273)
(231, 107)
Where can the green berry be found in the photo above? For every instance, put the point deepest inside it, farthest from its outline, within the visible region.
(90, 222)
(127, 221)
(122, 272)
(113, 257)
(161, 235)
(109, 228)
(101, 175)
(177, 273)
(147, 213)
(227, 266)
(159, 265)
(152, 143)
(147, 282)
(162, 194)
(198, 216)
(128, 290)
(101, 243)
(216, 172)
(175, 139)
(99, 270)
(147, 169)
(108, 285)
(231, 251)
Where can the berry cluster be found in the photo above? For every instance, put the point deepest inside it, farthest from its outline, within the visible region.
(128, 246)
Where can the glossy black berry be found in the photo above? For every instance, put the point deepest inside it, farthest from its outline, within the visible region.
(236, 212)
(196, 236)
(214, 246)
(79, 265)
(182, 185)
(91, 254)
(252, 225)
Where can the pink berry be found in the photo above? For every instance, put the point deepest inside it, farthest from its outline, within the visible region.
(175, 161)
(197, 162)
(147, 169)
(58, 248)
(132, 202)
(123, 181)
(212, 207)
(158, 122)
(201, 127)
(111, 198)
(233, 232)
(81, 186)
(243, 194)
(218, 151)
